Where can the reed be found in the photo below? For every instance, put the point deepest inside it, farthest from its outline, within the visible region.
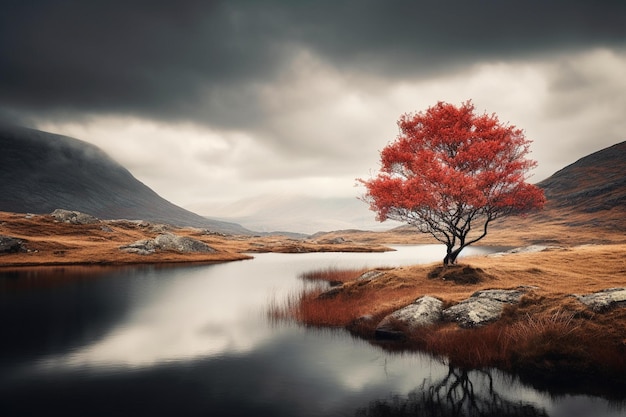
(310, 307)
(333, 274)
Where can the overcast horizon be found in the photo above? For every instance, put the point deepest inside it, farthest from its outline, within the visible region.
(209, 103)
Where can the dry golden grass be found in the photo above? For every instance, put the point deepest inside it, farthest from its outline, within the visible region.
(555, 273)
(552, 226)
(549, 334)
(53, 243)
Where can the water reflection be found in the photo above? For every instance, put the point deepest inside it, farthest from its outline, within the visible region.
(194, 312)
(460, 393)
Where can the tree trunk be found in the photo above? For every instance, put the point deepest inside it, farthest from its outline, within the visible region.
(454, 255)
(451, 256)
(446, 260)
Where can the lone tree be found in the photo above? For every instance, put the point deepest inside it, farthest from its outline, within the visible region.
(450, 173)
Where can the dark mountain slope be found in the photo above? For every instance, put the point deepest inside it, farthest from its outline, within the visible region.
(40, 172)
(594, 183)
(586, 203)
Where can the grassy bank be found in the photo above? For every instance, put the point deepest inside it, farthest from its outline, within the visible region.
(549, 337)
(49, 242)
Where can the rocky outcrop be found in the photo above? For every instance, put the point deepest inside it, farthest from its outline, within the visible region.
(482, 307)
(10, 244)
(168, 242)
(73, 217)
(370, 275)
(604, 300)
(424, 311)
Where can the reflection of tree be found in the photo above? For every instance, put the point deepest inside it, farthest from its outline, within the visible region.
(454, 396)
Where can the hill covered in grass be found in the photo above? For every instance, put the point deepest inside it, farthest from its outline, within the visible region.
(593, 184)
(586, 203)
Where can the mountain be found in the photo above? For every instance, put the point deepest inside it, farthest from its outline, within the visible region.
(40, 172)
(303, 214)
(594, 183)
(585, 202)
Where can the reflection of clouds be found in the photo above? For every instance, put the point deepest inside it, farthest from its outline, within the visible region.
(145, 345)
(351, 367)
(190, 313)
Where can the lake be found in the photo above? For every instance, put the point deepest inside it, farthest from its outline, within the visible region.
(196, 341)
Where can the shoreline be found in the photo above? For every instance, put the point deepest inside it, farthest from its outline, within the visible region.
(45, 241)
(547, 338)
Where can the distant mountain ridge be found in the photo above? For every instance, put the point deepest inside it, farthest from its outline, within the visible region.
(298, 213)
(40, 172)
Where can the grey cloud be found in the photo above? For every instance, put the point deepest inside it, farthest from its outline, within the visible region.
(208, 61)
(155, 59)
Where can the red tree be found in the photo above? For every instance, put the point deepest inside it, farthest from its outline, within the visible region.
(451, 173)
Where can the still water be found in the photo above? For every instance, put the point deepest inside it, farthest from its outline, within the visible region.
(196, 341)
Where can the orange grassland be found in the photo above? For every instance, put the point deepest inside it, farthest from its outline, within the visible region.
(52, 243)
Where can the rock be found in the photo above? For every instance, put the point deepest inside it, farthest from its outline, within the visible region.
(527, 249)
(10, 244)
(604, 300)
(332, 293)
(183, 244)
(168, 241)
(161, 228)
(140, 247)
(74, 217)
(482, 307)
(333, 241)
(424, 311)
(370, 275)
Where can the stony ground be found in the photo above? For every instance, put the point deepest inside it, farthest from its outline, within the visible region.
(49, 240)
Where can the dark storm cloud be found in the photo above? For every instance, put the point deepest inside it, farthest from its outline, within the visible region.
(207, 61)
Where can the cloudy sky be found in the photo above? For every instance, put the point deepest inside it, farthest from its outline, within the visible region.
(209, 102)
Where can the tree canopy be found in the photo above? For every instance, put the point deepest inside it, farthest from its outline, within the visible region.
(451, 172)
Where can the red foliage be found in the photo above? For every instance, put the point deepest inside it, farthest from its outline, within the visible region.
(450, 169)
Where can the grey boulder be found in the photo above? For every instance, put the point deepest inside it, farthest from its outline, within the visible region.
(424, 311)
(482, 307)
(604, 300)
(73, 217)
(168, 241)
(10, 244)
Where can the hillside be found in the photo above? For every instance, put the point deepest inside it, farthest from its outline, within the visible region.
(586, 203)
(40, 172)
(593, 184)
